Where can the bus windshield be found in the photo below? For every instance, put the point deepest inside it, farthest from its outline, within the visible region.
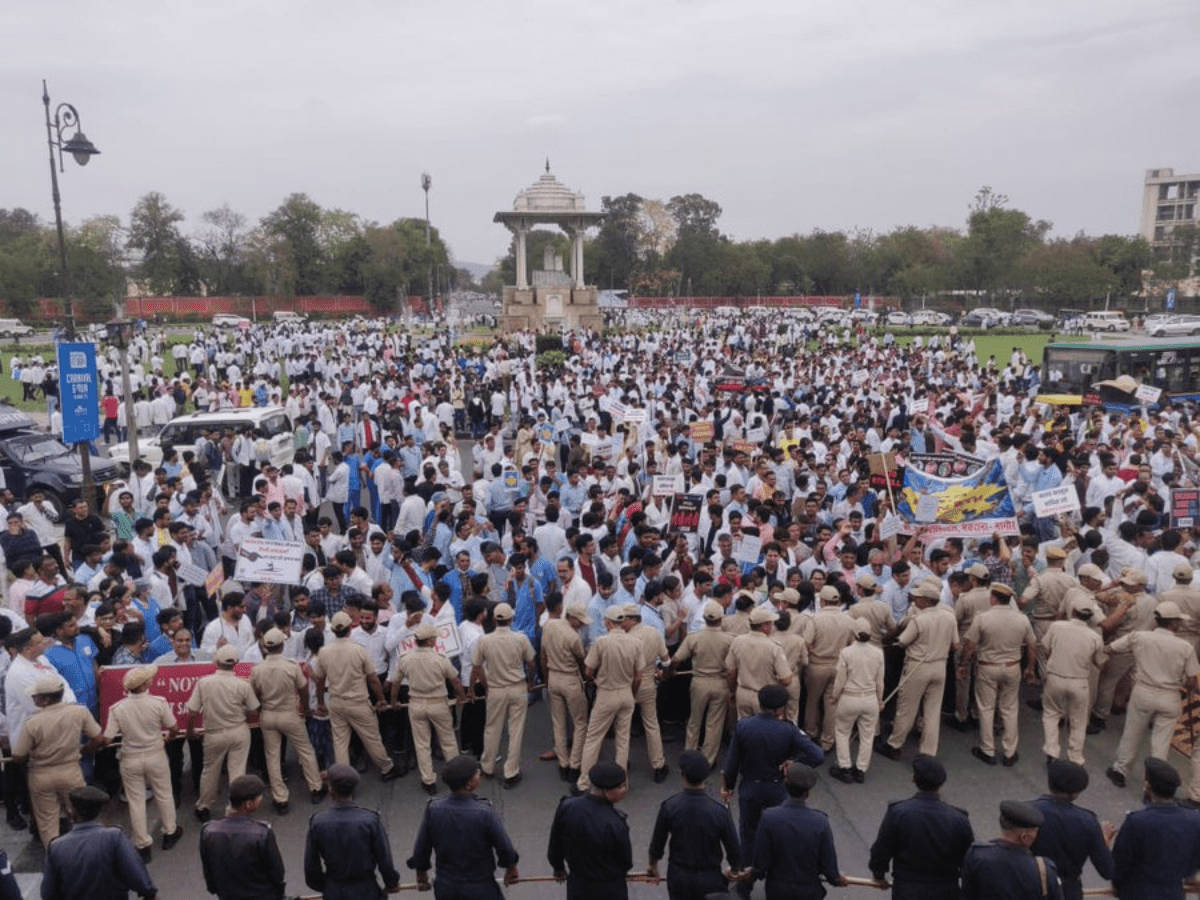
(1073, 370)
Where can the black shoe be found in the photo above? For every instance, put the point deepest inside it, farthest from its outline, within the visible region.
(564, 773)
(430, 788)
(514, 781)
(203, 815)
(1050, 759)
(1011, 761)
(1095, 726)
(573, 775)
(319, 794)
(978, 753)
(842, 775)
(576, 791)
(859, 775)
(145, 853)
(883, 748)
(170, 840)
(392, 774)
(960, 726)
(1115, 777)
(282, 808)
(660, 775)
(17, 822)
(360, 766)
(1035, 703)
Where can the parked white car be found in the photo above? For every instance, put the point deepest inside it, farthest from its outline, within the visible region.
(1111, 320)
(898, 317)
(229, 320)
(1174, 325)
(929, 317)
(272, 422)
(14, 328)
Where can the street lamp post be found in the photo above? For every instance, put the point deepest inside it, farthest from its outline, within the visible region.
(81, 150)
(426, 184)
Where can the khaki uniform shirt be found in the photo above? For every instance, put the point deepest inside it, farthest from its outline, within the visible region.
(876, 614)
(1046, 592)
(1079, 597)
(1075, 649)
(562, 646)
(1140, 616)
(1188, 599)
(276, 681)
(970, 604)
(1000, 633)
(427, 672)
(832, 630)
(654, 648)
(50, 737)
(346, 667)
(224, 699)
(795, 651)
(615, 658)
(140, 719)
(759, 661)
(707, 649)
(859, 670)
(503, 654)
(1162, 659)
(738, 623)
(929, 634)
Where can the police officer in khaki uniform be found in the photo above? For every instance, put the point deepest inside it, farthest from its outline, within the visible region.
(562, 669)
(969, 604)
(833, 631)
(876, 613)
(503, 665)
(49, 743)
(1074, 653)
(707, 649)
(277, 682)
(1187, 598)
(654, 652)
(1127, 608)
(227, 703)
(344, 669)
(1163, 663)
(428, 672)
(754, 661)
(994, 641)
(140, 719)
(857, 695)
(929, 636)
(795, 651)
(1043, 598)
(615, 662)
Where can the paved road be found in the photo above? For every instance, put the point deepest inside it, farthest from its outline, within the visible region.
(854, 810)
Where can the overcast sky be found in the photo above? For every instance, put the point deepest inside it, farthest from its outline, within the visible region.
(792, 115)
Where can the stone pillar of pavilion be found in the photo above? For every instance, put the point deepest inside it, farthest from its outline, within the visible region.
(556, 296)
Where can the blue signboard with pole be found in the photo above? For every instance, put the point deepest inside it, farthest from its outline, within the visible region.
(1171, 298)
(79, 392)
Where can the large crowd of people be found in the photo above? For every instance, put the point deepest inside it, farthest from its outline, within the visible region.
(679, 526)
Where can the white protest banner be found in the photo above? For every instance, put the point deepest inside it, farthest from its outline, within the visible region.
(634, 416)
(667, 485)
(1147, 394)
(589, 439)
(562, 426)
(890, 527)
(447, 642)
(191, 573)
(756, 435)
(616, 409)
(275, 562)
(748, 549)
(1056, 501)
(919, 406)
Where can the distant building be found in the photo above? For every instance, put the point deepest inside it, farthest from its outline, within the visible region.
(1169, 201)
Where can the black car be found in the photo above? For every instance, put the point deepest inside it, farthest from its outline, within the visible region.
(33, 460)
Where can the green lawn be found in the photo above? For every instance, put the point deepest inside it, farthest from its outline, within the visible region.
(1001, 345)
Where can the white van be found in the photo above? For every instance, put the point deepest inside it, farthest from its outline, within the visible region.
(181, 432)
(1111, 320)
(287, 315)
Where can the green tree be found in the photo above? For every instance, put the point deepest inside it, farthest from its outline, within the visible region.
(536, 242)
(397, 262)
(997, 240)
(697, 243)
(1126, 258)
(94, 253)
(297, 224)
(165, 266)
(221, 248)
(1066, 273)
(613, 257)
(24, 257)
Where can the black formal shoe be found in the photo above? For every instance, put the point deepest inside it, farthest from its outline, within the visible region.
(1011, 761)
(18, 822)
(564, 773)
(660, 775)
(170, 840)
(145, 853)
(203, 815)
(978, 753)
(959, 725)
(572, 775)
(859, 775)
(282, 809)
(1095, 726)
(842, 775)
(576, 791)
(514, 781)
(430, 788)
(319, 794)
(391, 774)
(1115, 777)
(883, 748)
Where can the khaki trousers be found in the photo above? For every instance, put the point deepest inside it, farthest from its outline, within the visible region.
(998, 687)
(567, 701)
(425, 716)
(962, 689)
(1116, 667)
(818, 682)
(746, 702)
(49, 795)
(861, 710)
(793, 701)
(147, 767)
(612, 709)
(276, 725)
(1149, 707)
(1065, 698)
(922, 687)
(505, 704)
(230, 747)
(647, 704)
(362, 719)
(710, 700)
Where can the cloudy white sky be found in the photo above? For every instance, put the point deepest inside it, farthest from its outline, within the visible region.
(792, 115)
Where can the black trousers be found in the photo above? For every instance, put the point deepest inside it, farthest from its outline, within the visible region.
(694, 884)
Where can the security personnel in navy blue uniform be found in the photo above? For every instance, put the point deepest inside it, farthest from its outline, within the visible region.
(239, 854)
(760, 746)
(794, 848)
(1005, 869)
(922, 839)
(91, 862)
(1070, 835)
(346, 844)
(589, 839)
(468, 838)
(1158, 846)
(698, 827)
